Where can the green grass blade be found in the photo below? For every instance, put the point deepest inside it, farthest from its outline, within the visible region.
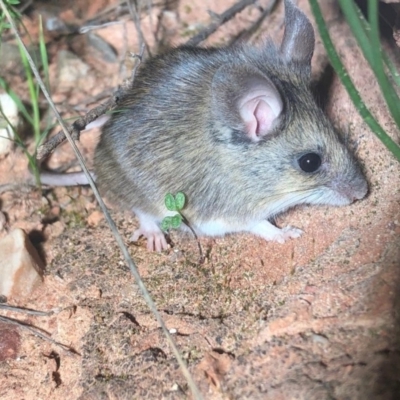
(33, 96)
(371, 48)
(348, 84)
(390, 95)
(43, 54)
(21, 107)
(394, 73)
(386, 59)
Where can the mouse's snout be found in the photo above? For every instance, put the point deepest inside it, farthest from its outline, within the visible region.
(356, 189)
(360, 189)
(350, 190)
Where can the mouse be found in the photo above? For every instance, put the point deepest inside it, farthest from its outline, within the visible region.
(236, 129)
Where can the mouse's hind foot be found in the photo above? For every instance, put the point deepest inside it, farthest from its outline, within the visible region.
(150, 229)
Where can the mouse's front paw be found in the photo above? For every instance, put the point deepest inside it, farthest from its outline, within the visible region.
(288, 232)
(155, 239)
(271, 233)
(150, 229)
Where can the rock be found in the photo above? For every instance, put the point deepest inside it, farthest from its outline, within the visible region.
(3, 221)
(21, 268)
(54, 230)
(72, 71)
(8, 124)
(10, 342)
(95, 218)
(10, 59)
(108, 52)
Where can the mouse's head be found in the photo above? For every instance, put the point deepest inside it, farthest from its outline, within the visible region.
(266, 109)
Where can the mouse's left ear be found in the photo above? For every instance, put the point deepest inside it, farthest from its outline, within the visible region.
(244, 99)
(299, 39)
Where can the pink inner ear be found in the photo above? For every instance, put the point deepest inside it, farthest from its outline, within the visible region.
(259, 107)
(265, 118)
(260, 114)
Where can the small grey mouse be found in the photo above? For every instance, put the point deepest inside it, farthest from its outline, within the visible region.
(236, 129)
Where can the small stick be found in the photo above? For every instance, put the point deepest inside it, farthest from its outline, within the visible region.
(248, 32)
(139, 57)
(37, 332)
(219, 19)
(30, 311)
(11, 187)
(186, 222)
(135, 15)
(79, 125)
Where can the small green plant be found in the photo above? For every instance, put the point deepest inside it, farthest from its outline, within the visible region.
(32, 117)
(176, 203)
(368, 37)
(14, 14)
(173, 203)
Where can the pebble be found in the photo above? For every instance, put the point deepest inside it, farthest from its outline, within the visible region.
(21, 268)
(8, 124)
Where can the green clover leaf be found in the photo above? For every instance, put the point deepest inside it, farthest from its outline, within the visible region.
(166, 224)
(170, 202)
(176, 221)
(180, 200)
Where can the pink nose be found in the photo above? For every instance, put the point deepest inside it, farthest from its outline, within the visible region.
(357, 193)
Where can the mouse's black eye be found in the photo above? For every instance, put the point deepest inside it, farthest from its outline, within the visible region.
(310, 162)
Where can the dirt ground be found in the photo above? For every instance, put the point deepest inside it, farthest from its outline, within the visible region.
(315, 318)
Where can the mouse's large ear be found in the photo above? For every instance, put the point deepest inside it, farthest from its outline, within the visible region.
(298, 40)
(244, 99)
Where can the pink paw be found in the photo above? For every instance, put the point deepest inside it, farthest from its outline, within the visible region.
(271, 233)
(155, 239)
(288, 232)
(150, 229)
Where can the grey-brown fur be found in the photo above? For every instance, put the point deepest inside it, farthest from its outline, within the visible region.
(178, 130)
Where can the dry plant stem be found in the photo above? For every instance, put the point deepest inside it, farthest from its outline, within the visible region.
(118, 237)
(37, 332)
(149, 5)
(221, 19)
(47, 148)
(135, 15)
(79, 125)
(31, 312)
(139, 57)
(12, 187)
(246, 34)
(94, 99)
(186, 222)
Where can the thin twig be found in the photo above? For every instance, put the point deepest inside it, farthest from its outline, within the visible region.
(186, 222)
(78, 126)
(218, 21)
(39, 332)
(93, 99)
(12, 187)
(30, 311)
(149, 5)
(89, 28)
(135, 15)
(139, 57)
(245, 34)
(146, 295)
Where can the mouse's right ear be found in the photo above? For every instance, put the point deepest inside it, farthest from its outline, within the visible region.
(246, 100)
